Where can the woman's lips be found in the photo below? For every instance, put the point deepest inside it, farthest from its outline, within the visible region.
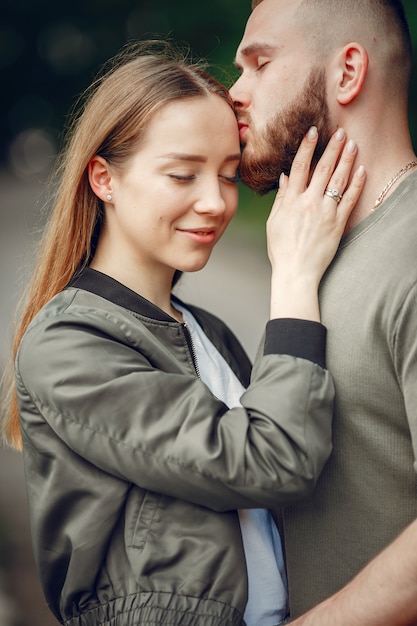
(201, 236)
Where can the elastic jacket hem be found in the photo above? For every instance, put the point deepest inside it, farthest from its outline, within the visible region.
(154, 608)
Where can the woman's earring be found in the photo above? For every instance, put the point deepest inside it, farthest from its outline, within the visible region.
(109, 197)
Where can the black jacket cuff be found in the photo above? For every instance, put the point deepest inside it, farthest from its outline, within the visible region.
(300, 338)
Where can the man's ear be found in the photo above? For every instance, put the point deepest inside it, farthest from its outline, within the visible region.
(100, 178)
(353, 67)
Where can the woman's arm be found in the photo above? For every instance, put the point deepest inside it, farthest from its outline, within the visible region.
(92, 378)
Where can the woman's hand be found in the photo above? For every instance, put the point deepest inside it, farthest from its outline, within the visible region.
(307, 222)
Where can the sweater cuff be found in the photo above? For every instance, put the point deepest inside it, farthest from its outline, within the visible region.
(300, 338)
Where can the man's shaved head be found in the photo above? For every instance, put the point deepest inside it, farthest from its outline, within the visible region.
(379, 25)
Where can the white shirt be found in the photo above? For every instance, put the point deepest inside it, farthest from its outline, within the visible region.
(267, 585)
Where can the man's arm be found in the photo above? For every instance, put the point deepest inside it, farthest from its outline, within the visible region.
(384, 592)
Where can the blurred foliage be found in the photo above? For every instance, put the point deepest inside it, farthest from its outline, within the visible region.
(50, 51)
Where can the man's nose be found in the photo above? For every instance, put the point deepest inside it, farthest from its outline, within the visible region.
(239, 93)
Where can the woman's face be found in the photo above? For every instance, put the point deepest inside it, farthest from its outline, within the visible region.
(174, 199)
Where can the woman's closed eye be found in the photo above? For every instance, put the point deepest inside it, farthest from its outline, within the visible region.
(185, 178)
(182, 178)
(231, 179)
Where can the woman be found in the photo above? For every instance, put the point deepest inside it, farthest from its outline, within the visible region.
(140, 442)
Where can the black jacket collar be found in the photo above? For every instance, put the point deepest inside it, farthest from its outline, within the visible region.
(110, 289)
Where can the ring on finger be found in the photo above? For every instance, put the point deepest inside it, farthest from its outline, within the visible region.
(334, 194)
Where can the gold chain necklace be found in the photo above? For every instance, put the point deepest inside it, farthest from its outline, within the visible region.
(390, 183)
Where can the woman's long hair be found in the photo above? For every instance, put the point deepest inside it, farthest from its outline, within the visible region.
(115, 111)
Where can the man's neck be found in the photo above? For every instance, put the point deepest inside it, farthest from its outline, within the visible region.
(379, 174)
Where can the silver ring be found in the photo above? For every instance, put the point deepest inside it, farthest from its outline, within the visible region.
(334, 194)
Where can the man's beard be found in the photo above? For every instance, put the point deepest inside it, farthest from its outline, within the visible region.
(274, 151)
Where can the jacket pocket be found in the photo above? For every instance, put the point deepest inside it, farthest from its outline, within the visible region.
(140, 513)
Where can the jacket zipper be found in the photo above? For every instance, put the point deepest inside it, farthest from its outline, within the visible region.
(190, 344)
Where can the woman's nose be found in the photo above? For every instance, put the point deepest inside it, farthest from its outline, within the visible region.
(211, 200)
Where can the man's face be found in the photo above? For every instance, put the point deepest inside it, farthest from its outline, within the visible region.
(271, 149)
(280, 94)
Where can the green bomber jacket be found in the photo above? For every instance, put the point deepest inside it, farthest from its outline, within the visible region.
(135, 470)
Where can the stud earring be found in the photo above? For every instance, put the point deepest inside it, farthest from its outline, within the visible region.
(109, 196)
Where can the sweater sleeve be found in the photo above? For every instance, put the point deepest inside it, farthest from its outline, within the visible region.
(404, 348)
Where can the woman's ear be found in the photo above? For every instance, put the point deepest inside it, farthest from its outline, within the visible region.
(100, 178)
(353, 67)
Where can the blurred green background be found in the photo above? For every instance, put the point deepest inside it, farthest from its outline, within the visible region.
(50, 51)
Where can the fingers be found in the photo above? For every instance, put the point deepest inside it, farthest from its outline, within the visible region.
(300, 168)
(338, 178)
(332, 184)
(332, 174)
(282, 185)
(349, 193)
(328, 172)
(326, 167)
(351, 196)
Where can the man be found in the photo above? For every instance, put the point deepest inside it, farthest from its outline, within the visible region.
(346, 63)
